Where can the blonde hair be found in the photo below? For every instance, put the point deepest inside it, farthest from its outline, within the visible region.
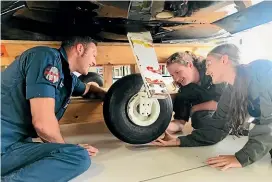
(182, 58)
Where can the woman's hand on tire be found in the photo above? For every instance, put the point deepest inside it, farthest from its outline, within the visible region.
(167, 141)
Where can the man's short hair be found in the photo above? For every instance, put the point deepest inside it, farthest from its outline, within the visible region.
(72, 41)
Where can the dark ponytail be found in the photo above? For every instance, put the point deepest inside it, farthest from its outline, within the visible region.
(238, 104)
(238, 112)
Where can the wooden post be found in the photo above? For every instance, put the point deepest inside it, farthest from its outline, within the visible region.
(107, 74)
(134, 68)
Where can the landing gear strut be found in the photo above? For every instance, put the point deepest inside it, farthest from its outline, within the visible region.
(138, 108)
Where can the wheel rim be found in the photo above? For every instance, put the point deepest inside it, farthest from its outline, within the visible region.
(136, 117)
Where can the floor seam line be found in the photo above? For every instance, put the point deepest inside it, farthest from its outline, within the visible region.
(171, 174)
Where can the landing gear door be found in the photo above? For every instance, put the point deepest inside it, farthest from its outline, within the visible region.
(146, 59)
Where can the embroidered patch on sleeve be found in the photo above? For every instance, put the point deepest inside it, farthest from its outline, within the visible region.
(52, 74)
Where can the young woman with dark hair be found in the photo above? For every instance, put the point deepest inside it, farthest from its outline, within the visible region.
(249, 93)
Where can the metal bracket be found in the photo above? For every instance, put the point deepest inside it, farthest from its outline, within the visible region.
(147, 62)
(145, 104)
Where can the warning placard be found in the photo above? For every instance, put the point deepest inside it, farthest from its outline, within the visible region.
(4, 52)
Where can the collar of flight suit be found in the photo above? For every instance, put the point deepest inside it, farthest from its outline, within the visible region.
(65, 58)
(63, 53)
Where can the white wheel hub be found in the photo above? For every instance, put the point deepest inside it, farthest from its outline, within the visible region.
(143, 111)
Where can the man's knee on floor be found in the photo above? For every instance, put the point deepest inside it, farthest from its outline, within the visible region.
(80, 157)
(84, 159)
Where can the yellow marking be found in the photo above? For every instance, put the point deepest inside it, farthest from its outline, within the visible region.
(145, 44)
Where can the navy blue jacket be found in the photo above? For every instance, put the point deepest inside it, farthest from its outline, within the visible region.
(37, 72)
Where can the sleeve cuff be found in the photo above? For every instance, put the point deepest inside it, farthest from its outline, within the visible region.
(243, 158)
(184, 141)
(79, 89)
(40, 90)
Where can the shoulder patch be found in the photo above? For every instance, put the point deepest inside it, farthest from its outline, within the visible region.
(51, 73)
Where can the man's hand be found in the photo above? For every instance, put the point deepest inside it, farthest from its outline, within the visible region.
(224, 162)
(91, 150)
(93, 83)
(167, 141)
(93, 88)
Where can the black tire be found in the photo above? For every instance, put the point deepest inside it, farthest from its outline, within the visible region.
(116, 117)
(92, 77)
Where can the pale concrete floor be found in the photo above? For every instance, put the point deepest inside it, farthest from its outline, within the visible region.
(120, 162)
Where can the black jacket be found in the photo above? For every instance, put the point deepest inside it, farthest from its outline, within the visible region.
(193, 94)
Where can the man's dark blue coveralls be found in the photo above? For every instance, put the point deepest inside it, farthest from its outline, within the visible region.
(38, 72)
